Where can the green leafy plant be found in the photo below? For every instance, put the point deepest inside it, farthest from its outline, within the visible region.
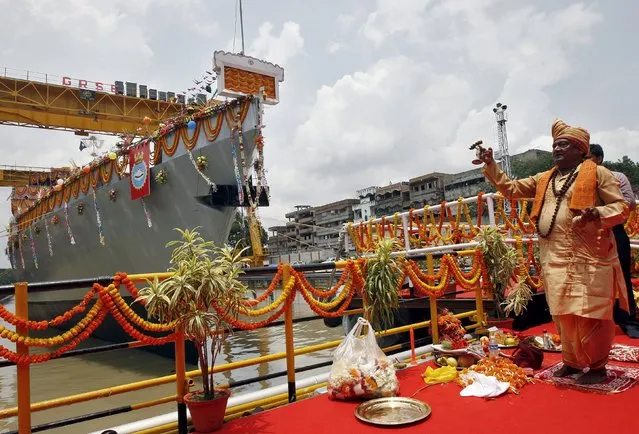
(383, 272)
(518, 298)
(501, 262)
(203, 275)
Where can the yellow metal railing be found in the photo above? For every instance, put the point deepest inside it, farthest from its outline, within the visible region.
(181, 377)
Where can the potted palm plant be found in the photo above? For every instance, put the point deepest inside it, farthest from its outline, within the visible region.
(203, 274)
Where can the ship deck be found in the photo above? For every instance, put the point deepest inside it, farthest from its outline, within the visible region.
(539, 407)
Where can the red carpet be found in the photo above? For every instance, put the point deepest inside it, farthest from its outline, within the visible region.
(540, 407)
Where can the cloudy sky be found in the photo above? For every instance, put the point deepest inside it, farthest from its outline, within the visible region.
(375, 91)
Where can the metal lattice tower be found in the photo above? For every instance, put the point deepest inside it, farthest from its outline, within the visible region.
(504, 155)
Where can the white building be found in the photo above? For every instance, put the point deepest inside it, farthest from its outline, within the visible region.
(364, 209)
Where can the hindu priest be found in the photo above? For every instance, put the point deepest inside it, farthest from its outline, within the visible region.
(576, 205)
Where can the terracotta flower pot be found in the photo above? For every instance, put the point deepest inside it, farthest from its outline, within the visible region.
(207, 416)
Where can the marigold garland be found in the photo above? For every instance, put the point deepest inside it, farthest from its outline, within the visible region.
(10, 318)
(133, 317)
(426, 230)
(284, 296)
(271, 288)
(352, 280)
(105, 296)
(54, 340)
(25, 359)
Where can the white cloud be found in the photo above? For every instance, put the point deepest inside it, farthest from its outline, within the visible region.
(278, 48)
(345, 21)
(393, 17)
(352, 136)
(618, 142)
(334, 47)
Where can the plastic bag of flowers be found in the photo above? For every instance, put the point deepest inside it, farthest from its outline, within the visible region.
(360, 368)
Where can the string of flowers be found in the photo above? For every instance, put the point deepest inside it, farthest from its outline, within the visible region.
(448, 228)
(259, 145)
(33, 249)
(12, 319)
(13, 257)
(199, 171)
(147, 214)
(21, 254)
(46, 228)
(271, 288)
(632, 224)
(327, 306)
(98, 219)
(284, 296)
(26, 359)
(245, 325)
(73, 332)
(238, 178)
(530, 261)
(315, 307)
(114, 294)
(66, 221)
(253, 201)
(329, 292)
(107, 299)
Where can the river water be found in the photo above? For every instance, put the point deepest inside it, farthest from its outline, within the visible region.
(63, 377)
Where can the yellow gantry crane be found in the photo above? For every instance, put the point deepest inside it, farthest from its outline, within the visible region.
(38, 104)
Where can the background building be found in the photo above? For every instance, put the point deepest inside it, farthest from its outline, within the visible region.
(364, 209)
(391, 199)
(427, 189)
(329, 220)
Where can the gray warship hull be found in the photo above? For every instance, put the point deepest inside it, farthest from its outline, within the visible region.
(135, 233)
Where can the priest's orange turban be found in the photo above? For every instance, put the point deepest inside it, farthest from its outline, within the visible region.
(576, 135)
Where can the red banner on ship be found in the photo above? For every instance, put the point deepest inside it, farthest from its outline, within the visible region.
(140, 170)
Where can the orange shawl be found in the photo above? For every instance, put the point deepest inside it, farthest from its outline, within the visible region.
(584, 193)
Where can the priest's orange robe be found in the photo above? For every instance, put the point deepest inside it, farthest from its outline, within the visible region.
(579, 264)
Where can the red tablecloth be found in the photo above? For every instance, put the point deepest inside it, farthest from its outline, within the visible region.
(540, 408)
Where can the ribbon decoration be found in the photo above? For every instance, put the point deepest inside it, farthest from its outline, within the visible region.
(33, 249)
(99, 220)
(66, 222)
(146, 213)
(46, 228)
(20, 248)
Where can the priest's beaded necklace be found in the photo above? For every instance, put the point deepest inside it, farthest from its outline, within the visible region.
(559, 195)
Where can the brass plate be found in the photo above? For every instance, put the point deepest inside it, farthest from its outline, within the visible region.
(502, 346)
(392, 411)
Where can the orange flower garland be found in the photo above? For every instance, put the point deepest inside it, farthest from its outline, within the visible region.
(284, 296)
(105, 296)
(55, 340)
(25, 359)
(43, 325)
(271, 288)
